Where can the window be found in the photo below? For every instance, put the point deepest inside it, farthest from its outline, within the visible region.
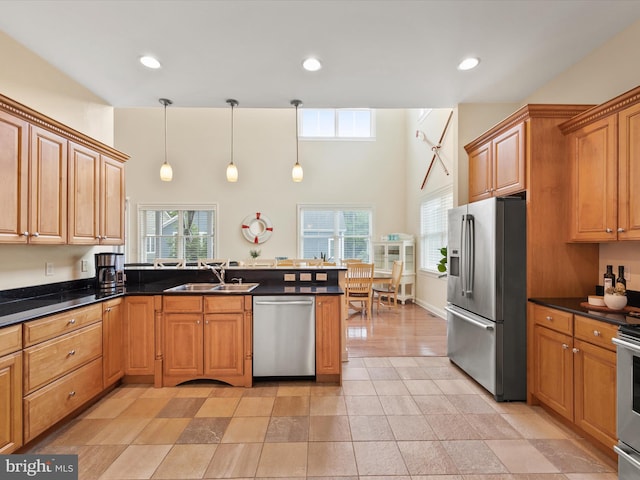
(433, 226)
(337, 232)
(176, 232)
(346, 123)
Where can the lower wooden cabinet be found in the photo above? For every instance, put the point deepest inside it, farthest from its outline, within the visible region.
(328, 348)
(574, 373)
(553, 370)
(207, 337)
(10, 388)
(112, 341)
(139, 335)
(52, 403)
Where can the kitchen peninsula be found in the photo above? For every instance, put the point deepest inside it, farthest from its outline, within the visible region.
(222, 320)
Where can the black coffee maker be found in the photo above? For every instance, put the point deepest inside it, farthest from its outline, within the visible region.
(109, 270)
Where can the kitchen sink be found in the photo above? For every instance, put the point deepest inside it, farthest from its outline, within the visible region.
(236, 287)
(213, 287)
(193, 287)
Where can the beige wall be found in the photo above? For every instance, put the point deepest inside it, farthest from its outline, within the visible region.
(335, 172)
(30, 80)
(431, 289)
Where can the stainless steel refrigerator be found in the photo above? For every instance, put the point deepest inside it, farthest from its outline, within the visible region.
(487, 295)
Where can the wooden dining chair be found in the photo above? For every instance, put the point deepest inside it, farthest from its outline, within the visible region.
(359, 287)
(387, 294)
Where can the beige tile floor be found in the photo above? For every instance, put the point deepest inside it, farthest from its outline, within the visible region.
(394, 417)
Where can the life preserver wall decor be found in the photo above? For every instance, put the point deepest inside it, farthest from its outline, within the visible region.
(257, 228)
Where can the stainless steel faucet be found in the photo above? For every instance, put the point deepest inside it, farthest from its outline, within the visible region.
(218, 271)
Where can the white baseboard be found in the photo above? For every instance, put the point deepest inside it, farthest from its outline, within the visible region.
(439, 312)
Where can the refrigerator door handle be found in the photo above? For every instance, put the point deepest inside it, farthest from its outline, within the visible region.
(468, 319)
(471, 254)
(463, 254)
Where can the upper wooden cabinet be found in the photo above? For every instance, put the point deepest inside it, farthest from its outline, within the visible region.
(605, 181)
(56, 184)
(96, 198)
(497, 166)
(14, 186)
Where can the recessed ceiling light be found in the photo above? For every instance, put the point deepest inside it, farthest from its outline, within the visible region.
(150, 62)
(468, 63)
(311, 64)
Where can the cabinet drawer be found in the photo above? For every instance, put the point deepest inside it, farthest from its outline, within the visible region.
(52, 359)
(10, 339)
(218, 304)
(52, 326)
(595, 332)
(52, 403)
(554, 319)
(182, 304)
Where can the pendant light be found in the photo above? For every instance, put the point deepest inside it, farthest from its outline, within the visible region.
(166, 172)
(296, 173)
(232, 170)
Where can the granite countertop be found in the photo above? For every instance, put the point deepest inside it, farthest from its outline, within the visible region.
(573, 305)
(17, 309)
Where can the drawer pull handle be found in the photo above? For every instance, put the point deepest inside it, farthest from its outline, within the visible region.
(72, 352)
(565, 346)
(575, 350)
(597, 333)
(549, 317)
(72, 393)
(72, 321)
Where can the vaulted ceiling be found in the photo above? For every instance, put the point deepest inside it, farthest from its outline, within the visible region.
(379, 53)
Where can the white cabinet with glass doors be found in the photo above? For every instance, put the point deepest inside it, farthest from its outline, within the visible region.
(385, 253)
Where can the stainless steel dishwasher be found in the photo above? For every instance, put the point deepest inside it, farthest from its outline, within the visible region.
(284, 336)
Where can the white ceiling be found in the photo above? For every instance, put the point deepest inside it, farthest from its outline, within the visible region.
(376, 53)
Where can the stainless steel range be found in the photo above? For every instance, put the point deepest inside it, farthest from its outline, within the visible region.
(628, 402)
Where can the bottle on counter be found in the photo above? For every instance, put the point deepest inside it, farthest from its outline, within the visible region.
(609, 278)
(620, 278)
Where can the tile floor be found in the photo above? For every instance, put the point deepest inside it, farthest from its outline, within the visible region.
(408, 416)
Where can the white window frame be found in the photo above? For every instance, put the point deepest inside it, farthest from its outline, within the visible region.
(142, 236)
(439, 202)
(337, 240)
(336, 127)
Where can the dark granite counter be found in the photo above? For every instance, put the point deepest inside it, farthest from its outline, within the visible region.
(572, 305)
(29, 303)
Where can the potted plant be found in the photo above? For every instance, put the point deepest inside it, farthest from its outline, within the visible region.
(615, 297)
(442, 264)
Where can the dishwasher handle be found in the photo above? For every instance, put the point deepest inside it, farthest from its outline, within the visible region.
(286, 302)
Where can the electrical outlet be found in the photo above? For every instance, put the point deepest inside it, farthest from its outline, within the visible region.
(84, 265)
(48, 269)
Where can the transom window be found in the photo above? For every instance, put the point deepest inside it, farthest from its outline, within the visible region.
(433, 227)
(176, 232)
(342, 123)
(336, 232)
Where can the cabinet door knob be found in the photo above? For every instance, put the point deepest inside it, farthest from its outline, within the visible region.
(575, 350)
(597, 333)
(620, 229)
(25, 234)
(549, 318)
(197, 322)
(608, 230)
(72, 352)
(72, 393)
(107, 310)
(565, 346)
(72, 321)
(35, 234)
(98, 237)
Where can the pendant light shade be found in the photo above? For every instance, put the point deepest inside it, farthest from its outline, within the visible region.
(232, 170)
(296, 172)
(166, 172)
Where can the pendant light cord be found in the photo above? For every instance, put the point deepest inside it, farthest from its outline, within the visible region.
(165, 132)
